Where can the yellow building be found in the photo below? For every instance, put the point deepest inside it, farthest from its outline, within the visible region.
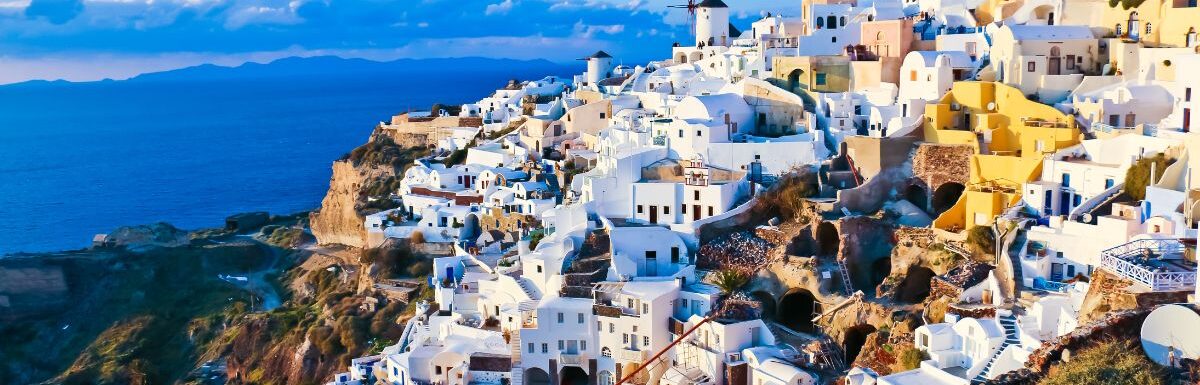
(1157, 23)
(1010, 134)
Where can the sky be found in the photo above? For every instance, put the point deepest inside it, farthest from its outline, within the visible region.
(84, 40)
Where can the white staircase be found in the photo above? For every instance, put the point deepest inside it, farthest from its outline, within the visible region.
(529, 288)
(1009, 324)
(847, 286)
(518, 375)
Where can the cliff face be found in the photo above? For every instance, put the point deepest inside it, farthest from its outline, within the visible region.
(1107, 293)
(338, 221)
(361, 185)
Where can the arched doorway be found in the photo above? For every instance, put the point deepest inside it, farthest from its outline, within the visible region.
(768, 303)
(794, 77)
(696, 56)
(605, 378)
(573, 375)
(854, 339)
(1134, 26)
(915, 286)
(946, 196)
(828, 239)
(537, 376)
(917, 195)
(471, 229)
(681, 58)
(1054, 62)
(797, 309)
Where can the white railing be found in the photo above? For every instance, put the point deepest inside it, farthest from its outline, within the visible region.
(1118, 260)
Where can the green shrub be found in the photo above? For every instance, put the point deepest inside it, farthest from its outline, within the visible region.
(1109, 362)
(982, 238)
(1138, 176)
(787, 196)
(911, 358)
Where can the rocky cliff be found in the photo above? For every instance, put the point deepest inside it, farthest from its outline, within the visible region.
(362, 184)
(339, 221)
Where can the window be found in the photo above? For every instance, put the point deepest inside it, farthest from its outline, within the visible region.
(646, 340)
(820, 79)
(530, 348)
(437, 370)
(599, 326)
(1109, 183)
(640, 209)
(820, 22)
(683, 208)
(645, 308)
(842, 22)
(630, 302)
(635, 328)
(675, 254)
(1070, 62)
(545, 348)
(560, 317)
(1187, 94)
(582, 344)
(912, 75)
(696, 194)
(1148, 28)
(667, 210)
(710, 211)
(699, 133)
(680, 133)
(539, 268)
(612, 327)
(1066, 180)
(562, 345)
(580, 317)
(602, 115)
(624, 338)
(651, 254)
(1031, 67)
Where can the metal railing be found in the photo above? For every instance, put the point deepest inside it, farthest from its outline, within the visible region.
(1119, 260)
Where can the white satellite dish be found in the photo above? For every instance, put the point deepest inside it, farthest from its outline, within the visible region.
(1171, 327)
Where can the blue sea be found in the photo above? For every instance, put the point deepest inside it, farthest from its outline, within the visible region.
(77, 159)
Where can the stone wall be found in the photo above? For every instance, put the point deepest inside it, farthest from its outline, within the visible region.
(936, 164)
(1109, 293)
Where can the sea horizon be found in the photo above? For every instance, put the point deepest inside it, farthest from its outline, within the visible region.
(193, 147)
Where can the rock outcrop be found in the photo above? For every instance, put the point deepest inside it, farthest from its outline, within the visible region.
(339, 220)
(1108, 293)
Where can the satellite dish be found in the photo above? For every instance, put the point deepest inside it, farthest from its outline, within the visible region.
(1171, 327)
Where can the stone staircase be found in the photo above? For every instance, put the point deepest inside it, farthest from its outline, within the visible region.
(1009, 324)
(518, 375)
(590, 266)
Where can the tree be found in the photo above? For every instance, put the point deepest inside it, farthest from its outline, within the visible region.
(730, 280)
(982, 238)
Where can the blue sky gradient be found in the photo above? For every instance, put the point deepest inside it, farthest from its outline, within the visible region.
(96, 39)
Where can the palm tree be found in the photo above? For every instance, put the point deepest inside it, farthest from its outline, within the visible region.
(730, 280)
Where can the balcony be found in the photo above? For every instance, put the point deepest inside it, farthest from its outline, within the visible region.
(629, 355)
(1154, 264)
(574, 359)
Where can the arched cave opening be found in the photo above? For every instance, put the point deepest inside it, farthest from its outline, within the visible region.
(797, 309)
(828, 239)
(768, 304)
(917, 195)
(537, 376)
(573, 375)
(854, 339)
(915, 286)
(946, 196)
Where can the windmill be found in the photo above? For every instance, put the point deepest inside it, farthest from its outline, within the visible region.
(691, 7)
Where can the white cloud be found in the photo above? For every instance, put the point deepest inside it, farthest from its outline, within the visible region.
(500, 8)
(588, 31)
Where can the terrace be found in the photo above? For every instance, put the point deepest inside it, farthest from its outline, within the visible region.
(1156, 265)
